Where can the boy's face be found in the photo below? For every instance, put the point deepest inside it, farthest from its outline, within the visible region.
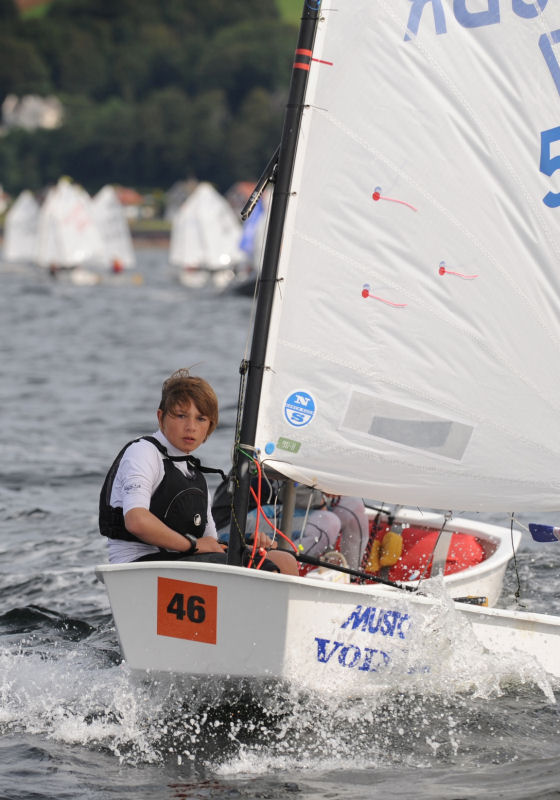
(185, 427)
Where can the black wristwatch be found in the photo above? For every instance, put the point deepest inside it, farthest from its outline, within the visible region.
(193, 540)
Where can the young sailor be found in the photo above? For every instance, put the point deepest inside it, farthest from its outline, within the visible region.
(154, 504)
(329, 522)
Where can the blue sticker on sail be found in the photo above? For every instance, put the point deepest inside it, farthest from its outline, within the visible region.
(299, 409)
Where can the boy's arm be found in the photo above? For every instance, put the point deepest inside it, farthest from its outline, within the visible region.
(147, 527)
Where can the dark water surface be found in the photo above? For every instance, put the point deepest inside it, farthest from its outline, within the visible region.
(81, 370)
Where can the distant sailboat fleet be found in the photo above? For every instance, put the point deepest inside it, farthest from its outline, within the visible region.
(69, 231)
(89, 237)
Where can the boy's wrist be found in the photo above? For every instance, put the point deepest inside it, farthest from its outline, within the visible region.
(193, 542)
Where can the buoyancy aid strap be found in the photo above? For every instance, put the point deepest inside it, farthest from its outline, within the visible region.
(110, 477)
(191, 460)
(111, 519)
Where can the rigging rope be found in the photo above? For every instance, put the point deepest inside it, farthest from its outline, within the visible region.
(261, 513)
(517, 592)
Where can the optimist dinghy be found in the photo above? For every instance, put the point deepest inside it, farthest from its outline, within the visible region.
(405, 348)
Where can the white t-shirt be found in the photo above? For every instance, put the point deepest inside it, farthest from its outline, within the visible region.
(139, 474)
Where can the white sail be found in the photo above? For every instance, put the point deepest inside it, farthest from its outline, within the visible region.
(415, 335)
(48, 249)
(20, 229)
(205, 232)
(68, 235)
(108, 212)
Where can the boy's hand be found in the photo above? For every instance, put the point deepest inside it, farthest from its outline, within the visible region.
(207, 544)
(264, 541)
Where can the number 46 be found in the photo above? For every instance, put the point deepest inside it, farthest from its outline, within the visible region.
(195, 611)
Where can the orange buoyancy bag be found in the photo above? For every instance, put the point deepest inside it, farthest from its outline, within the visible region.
(465, 551)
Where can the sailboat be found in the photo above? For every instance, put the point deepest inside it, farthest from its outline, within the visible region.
(205, 235)
(405, 341)
(68, 237)
(108, 213)
(20, 229)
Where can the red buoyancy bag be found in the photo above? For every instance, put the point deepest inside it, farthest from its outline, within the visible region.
(418, 544)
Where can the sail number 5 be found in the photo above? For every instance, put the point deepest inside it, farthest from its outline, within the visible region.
(549, 164)
(187, 610)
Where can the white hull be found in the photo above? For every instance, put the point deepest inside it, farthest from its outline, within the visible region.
(197, 277)
(81, 276)
(194, 620)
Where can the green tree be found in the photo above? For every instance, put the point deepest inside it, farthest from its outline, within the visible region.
(100, 143)
(130, 73)
(211, 124)
(84, 11)
(247, 56)
(166, 125)
(22, 70)
(81, 66)
(10, 166)
(24, 158)
(255, 133)
(152, 91)
(163, 53)
(9, 14)
(208, 16)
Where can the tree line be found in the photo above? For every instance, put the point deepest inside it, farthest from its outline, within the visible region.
(153, 92)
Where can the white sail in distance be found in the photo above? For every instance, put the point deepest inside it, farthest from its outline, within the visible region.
(415, 333)
(108, 213)
(205, 232)
(67, 233)
(20, 229)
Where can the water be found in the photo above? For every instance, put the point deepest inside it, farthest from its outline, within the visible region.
(81, 373)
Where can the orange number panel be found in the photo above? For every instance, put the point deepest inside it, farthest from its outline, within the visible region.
(187, 610)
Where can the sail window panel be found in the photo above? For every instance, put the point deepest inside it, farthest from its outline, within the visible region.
(405, 426)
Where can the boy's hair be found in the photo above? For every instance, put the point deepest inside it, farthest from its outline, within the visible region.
(181, 388)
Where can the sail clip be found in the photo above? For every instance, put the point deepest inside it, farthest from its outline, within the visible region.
(268, 176)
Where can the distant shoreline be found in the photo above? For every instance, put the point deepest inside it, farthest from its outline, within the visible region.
(140, 238)
(151, 238)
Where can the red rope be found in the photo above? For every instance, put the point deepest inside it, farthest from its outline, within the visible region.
(260, 512)
(273, 526)
(262, 553)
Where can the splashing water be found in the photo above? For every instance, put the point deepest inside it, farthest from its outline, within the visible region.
(421, 717)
